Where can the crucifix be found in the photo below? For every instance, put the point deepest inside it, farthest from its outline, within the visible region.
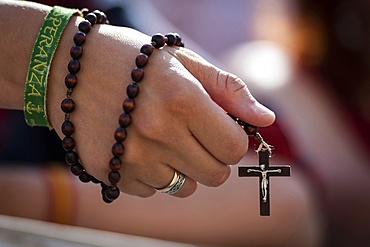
(264, 171)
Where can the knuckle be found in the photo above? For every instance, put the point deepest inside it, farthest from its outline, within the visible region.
(219, 178)
(230, 81)
(237, 152)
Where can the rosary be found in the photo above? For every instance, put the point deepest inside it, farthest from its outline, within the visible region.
(111, 192)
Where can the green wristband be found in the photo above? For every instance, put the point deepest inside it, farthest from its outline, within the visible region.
(38, 70)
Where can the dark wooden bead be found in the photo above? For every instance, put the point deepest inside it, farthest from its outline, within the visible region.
(74, 66)
(79, 38)
(232, 117)
(114, 177)
(68, 128)
(112, 193)
(68, 143)
(141, 60)
(158, 40)
(84, 26)
(171, 39)
(105, 199)
(115, 164)
(137, 74)
(147, 49)
(103, 187)
(84, 11)
(95, 180)
(71, 158)
(118, 149)
(120, 134)
(178, 39)
(71, 81)
(132, 90)
(91, 17)
(250, 129)
(124, 120)
(85, 177)
(128, 105)
(76, 52)
(240, 122)
(98, 15)
(68, 105)
(104, 18)
(77, 169)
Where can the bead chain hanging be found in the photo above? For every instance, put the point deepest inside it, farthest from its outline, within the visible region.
(109, 192)
(137, 74)
(68, 105)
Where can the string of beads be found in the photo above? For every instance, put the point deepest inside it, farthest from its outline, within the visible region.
(109, 192)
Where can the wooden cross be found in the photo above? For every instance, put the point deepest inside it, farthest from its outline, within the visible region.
(264, 171)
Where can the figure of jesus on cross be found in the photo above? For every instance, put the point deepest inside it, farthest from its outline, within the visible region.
(264, 171)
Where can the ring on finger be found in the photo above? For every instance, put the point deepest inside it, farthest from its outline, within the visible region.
(176, 183)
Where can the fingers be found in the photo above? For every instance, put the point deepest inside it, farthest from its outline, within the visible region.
(227, 90)
(161, 178)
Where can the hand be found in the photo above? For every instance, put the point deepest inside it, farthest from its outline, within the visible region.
(179, 121)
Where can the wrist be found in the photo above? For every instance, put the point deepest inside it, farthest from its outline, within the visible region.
(17, 43)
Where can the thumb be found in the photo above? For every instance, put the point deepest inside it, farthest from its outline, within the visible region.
(226, 89)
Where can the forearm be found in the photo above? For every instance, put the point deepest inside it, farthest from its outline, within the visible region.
(19, 23)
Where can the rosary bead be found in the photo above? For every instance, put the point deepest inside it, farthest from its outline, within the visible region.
(158, 40)
(74, 66)
(250, 129)
(132, 90)
(91, 17)
(79, 38)
(115, 164)
(120, 134)
(84, 11)
(128, 105)
(118, 149)
(141, 60)
(71, 81)
(178, 39)
(137, 74)
(85, 177)
(84, 26)
(171, 39)
(147, 49)
(68, 105)
(95, 180)
(68, 128)
(124, 120)
(104, 18)
(105, 199)
(112, 193)
(68, 143)
(76, 52)
(98, 15)
(114, 177)
(77, 169)
(71, 158)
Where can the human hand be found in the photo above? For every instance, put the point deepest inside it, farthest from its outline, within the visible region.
(179, 121)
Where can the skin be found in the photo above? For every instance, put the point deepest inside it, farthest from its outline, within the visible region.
(179, 121)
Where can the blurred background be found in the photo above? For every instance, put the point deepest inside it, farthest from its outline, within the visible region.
(308, 60)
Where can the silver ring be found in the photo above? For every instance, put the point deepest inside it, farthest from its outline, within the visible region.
(176, 183)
